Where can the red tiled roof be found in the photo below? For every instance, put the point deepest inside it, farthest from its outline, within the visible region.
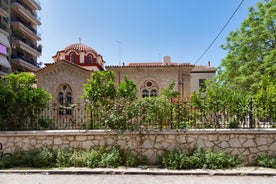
(52, 64)
(79, 47)
(154, 64)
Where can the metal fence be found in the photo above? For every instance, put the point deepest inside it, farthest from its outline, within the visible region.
(132, 116)
(144, 117)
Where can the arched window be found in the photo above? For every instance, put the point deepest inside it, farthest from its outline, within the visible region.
(90, 59)
(73, 57)
(68, 98)
(60, 98)
(153, 92)
(64, 99)
(149, 88)
(145, 93)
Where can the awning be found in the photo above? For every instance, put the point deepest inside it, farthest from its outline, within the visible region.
(4, 62)
(4, 40)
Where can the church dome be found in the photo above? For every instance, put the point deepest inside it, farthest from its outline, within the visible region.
(82, 55)
(79, 47)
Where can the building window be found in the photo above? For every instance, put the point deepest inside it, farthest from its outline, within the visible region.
(149, 84)
(149, 88)
(145, 93)
(68, 98)
(90, 59)
(60, 98)
(73, 57)
(64, 98)
(202, 85)
(153, 92)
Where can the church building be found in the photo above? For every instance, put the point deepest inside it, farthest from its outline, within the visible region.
(72, 66)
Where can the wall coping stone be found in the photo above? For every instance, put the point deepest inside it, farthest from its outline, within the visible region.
(144, 132)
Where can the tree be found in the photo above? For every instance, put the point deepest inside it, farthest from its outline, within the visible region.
(252, 49)
(218, 101)
(250, 65)
(108, 104)
(127, 89)
(169, 92)
(20, 102)
(100, 87)
(248, 72)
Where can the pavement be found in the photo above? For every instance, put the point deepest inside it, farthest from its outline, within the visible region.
(242, 171)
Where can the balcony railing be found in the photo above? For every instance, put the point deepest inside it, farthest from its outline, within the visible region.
(22, 57)
(4, 26)
(4, 6)
(37, 48)
(29, 12)
(26, 25)
(38, 2)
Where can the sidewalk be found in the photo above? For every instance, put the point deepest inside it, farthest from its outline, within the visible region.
(243, 171)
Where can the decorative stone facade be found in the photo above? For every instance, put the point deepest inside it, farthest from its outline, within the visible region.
(63, 73)
(75, 64)
(161, 75)
(185, 75)
(248, 143)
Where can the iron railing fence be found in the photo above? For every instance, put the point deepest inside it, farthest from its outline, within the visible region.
(130, 116)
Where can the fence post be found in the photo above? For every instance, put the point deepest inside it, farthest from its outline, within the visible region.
(171, 115)
(91, 116)
(251, 123)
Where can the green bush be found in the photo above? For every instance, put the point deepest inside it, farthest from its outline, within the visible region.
(234, 124)
(45, 123)
(97, 157)
(198, 159)
(63, 157)
(112, 158)
(93, 158)
(23, 158)
(79, 158)
(131, 160)
(45, 158)
(6, 162)
(220, 160)
(175, 159)
(267, 161)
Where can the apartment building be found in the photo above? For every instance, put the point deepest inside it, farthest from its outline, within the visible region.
(19, 23)
(5, 46)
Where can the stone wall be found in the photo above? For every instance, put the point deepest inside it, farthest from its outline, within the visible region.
(249, 143)
(60, 73)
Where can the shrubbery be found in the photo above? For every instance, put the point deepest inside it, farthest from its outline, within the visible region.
(114, 157)
(199, 159)
(46, 158)
(267, 161)
(20, 102)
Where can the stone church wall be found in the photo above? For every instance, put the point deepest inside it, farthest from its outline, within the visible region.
(64, 74)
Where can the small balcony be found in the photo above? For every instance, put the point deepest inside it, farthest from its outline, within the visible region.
(22, 61)
(4, 26)
(25, 13)
(4, 9)
(4, 71)
(33, 4)
(31, 48)
(26, 29)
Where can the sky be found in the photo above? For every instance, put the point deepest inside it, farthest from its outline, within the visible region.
(126, 31)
